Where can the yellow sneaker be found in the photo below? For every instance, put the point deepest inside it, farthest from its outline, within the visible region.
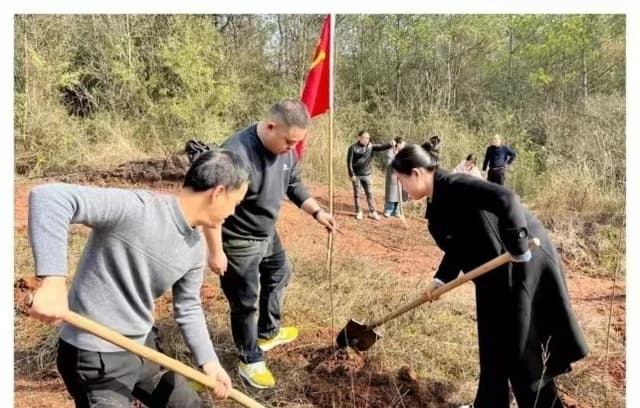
(284, 336)
(257, 375)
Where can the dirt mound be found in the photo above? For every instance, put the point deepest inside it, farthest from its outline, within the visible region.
(343, 377)
(171, 169)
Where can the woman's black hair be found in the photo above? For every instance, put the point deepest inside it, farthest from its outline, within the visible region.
(413, 157)
(472, 158)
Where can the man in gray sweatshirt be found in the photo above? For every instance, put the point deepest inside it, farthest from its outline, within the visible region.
(247, 252)
(141, 244)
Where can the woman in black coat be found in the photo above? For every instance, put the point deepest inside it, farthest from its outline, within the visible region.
(527, 333)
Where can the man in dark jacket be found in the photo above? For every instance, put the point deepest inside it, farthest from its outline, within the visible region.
(359, 157)
(498, 157)
(246, 252)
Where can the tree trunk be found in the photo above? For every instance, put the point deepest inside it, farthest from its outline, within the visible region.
(585, 84)
(128, 42)
(361, 65)
(303, 55)
(449, 77)
(282, 44)
(398, 65)
(510, 65)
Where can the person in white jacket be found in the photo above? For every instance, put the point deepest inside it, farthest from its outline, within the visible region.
(468, 166)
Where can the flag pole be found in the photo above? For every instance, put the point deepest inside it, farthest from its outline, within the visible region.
(331, 83)
(331, 186)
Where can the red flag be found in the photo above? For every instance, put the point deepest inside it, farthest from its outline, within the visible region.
(316, 91)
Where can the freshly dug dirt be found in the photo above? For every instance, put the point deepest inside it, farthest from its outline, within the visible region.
(173, 169)
(343, 378)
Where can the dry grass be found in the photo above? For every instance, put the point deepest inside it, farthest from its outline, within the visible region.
(315, 161)
(587, 220)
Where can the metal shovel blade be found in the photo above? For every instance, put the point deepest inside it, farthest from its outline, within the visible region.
(358, 336)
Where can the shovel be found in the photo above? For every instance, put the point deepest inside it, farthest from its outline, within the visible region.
(150, 354)
(361, 336)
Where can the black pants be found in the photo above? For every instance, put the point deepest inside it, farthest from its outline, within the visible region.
(257, 274)
(367, 185)
(100, 380)
(498, 364)
(497, 175)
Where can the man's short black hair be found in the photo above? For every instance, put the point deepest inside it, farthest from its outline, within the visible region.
(217, 167)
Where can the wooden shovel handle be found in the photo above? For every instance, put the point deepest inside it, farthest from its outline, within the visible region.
(474, 273)
(150, 354)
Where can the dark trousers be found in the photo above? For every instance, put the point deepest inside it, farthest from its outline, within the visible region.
(257, 274)
(497, 175)
(498, 362)
(100, 380)
(366, 183)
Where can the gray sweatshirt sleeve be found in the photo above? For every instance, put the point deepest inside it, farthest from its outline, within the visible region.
(187, 311)
(511, 155)
(52, 210)
(297, 192)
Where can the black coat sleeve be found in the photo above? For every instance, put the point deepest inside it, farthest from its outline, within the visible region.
(377, 147)
(449, 268)
(500, 201)
(487, 154)
(350, 161)
(511, 155)
(297, 191)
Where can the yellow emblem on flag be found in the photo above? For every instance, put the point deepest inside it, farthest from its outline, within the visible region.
(321, 57)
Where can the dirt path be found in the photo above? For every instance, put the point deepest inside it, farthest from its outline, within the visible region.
(408, 251)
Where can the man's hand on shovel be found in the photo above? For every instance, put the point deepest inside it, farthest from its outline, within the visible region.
(49, 302)
(222, 381)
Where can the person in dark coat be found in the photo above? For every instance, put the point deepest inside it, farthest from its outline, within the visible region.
(527, 332)
(359, 158)
(497, 159)
(433, 146)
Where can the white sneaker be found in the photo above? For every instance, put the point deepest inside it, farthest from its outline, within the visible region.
(359, 215)
(374, 215)
(466, 406)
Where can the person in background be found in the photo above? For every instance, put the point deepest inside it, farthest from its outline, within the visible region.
(433, 146)
(527, 332)
(393, 190)
(359, 158)
(468, 166)
(497, 159)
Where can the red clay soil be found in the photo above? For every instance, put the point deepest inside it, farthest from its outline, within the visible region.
(344, 377)
(49, 393)
(408, 251)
